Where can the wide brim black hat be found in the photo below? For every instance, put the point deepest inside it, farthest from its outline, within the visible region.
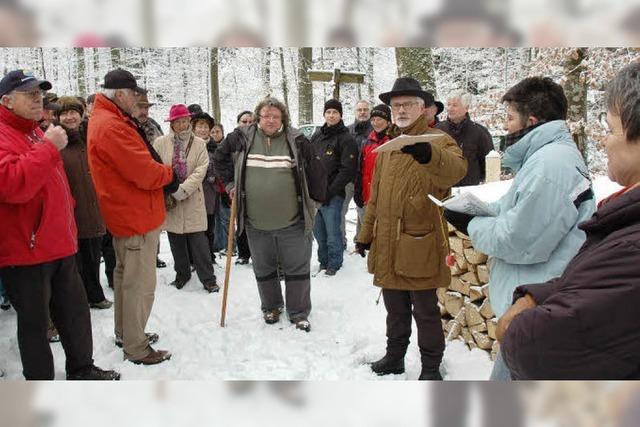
(407, 86)
(204, 116)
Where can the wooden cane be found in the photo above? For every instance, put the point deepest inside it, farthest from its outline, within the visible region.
(227, 271)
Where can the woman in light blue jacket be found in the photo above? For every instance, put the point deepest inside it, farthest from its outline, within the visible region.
(534, 234)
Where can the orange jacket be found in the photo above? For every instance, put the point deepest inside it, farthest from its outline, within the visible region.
(127, 179)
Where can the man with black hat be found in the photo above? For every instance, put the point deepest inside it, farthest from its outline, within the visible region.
(50, 106)
(37, 255)
(129, 178)
(339, 153)
(406, 233)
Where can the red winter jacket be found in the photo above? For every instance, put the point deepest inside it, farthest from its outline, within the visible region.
(36, 207)
(129, 182)
(366, 166)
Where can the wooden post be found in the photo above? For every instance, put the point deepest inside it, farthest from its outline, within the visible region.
(493, 166)
(337, 76)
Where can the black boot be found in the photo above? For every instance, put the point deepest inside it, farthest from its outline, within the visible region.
(179, 283)
(389, 364)
(93, 373)
(430, 374)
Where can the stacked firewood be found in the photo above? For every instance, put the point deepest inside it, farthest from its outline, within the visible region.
(464, 305)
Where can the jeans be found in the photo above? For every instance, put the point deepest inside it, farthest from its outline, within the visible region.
(222, 228)
(326, 230)
(500, 370)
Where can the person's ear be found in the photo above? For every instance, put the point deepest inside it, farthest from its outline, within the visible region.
(6, 100)
(532, 120)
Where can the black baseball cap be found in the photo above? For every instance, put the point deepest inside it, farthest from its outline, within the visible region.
(121, 79)
(21, 80)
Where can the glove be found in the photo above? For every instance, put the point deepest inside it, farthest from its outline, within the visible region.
(459, 220)
(173, 186)
(180, 194)
(361, 248)
(420, 151)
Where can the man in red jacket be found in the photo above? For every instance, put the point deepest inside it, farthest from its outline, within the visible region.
(129, 179)
(37, 257)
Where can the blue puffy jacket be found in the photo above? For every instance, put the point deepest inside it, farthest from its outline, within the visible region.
(535, 233)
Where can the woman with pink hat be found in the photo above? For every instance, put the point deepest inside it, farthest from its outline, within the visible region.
(186, 220)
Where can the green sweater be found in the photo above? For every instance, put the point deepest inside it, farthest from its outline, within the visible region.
(270, 184)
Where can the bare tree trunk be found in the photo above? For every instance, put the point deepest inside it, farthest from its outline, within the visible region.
(575, 89)
(80, 72)
(266, 71)
(359, 60)
(215, 87)
(305, 89)
(285, 88)
(370, 76)
(417, 63)
(116, 58)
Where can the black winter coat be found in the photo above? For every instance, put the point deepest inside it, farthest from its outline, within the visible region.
(360, 132)
(475, 142)
(339, 153)
(586, 323)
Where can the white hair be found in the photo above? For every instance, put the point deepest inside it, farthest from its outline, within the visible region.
(111, 93)
(420, 101)
(465, 98)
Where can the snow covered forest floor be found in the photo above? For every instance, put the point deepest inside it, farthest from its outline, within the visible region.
(348, 328)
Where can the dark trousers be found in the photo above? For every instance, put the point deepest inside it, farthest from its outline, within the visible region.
(211, 235)
(88, 260)
(290, 248)
(244, 250)
(53, 289)
(109, 256)
(195, 244)
(423, 305)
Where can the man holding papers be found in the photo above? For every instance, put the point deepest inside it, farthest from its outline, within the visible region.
(534, 233)
(405, 232)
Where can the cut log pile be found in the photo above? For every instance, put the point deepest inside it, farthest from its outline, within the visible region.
(464, 305)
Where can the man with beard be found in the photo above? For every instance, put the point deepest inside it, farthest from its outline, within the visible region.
(406, 234)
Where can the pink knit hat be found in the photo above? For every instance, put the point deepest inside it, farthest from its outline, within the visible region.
(178, 111)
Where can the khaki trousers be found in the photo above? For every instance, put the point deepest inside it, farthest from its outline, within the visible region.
(134, 290)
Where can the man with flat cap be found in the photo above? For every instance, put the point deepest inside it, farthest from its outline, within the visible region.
(406, 234)
(37, 256)
(129, 178)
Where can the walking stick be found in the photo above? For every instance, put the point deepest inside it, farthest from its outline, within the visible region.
(227, 270)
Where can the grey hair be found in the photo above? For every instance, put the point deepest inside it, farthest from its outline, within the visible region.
(465, 98)
(111, 93)
(363, 101)
(623, 100)
(420, 102)
(276, 103)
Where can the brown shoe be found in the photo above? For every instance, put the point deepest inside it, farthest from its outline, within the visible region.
(153, 358)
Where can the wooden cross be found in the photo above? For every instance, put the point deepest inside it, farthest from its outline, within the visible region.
(336, 76)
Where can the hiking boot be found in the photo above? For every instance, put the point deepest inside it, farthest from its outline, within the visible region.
(272, 316)
(430, 375)
(211, 287)
(179, 283)
(151, 337)
(242, 261)
(4, 304)
(330, 272)
(102, 305)
(93, 373)
(303, 325)
(160, 263)
(388, 365)
(153, 358)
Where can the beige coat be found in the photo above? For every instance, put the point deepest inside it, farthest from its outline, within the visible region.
(407, 232)
(190, 214)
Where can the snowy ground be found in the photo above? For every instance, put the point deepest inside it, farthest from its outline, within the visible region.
(348, 329)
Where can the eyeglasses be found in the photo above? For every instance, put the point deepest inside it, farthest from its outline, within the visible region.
(271, 117)
(33, 94)
(405, 105)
